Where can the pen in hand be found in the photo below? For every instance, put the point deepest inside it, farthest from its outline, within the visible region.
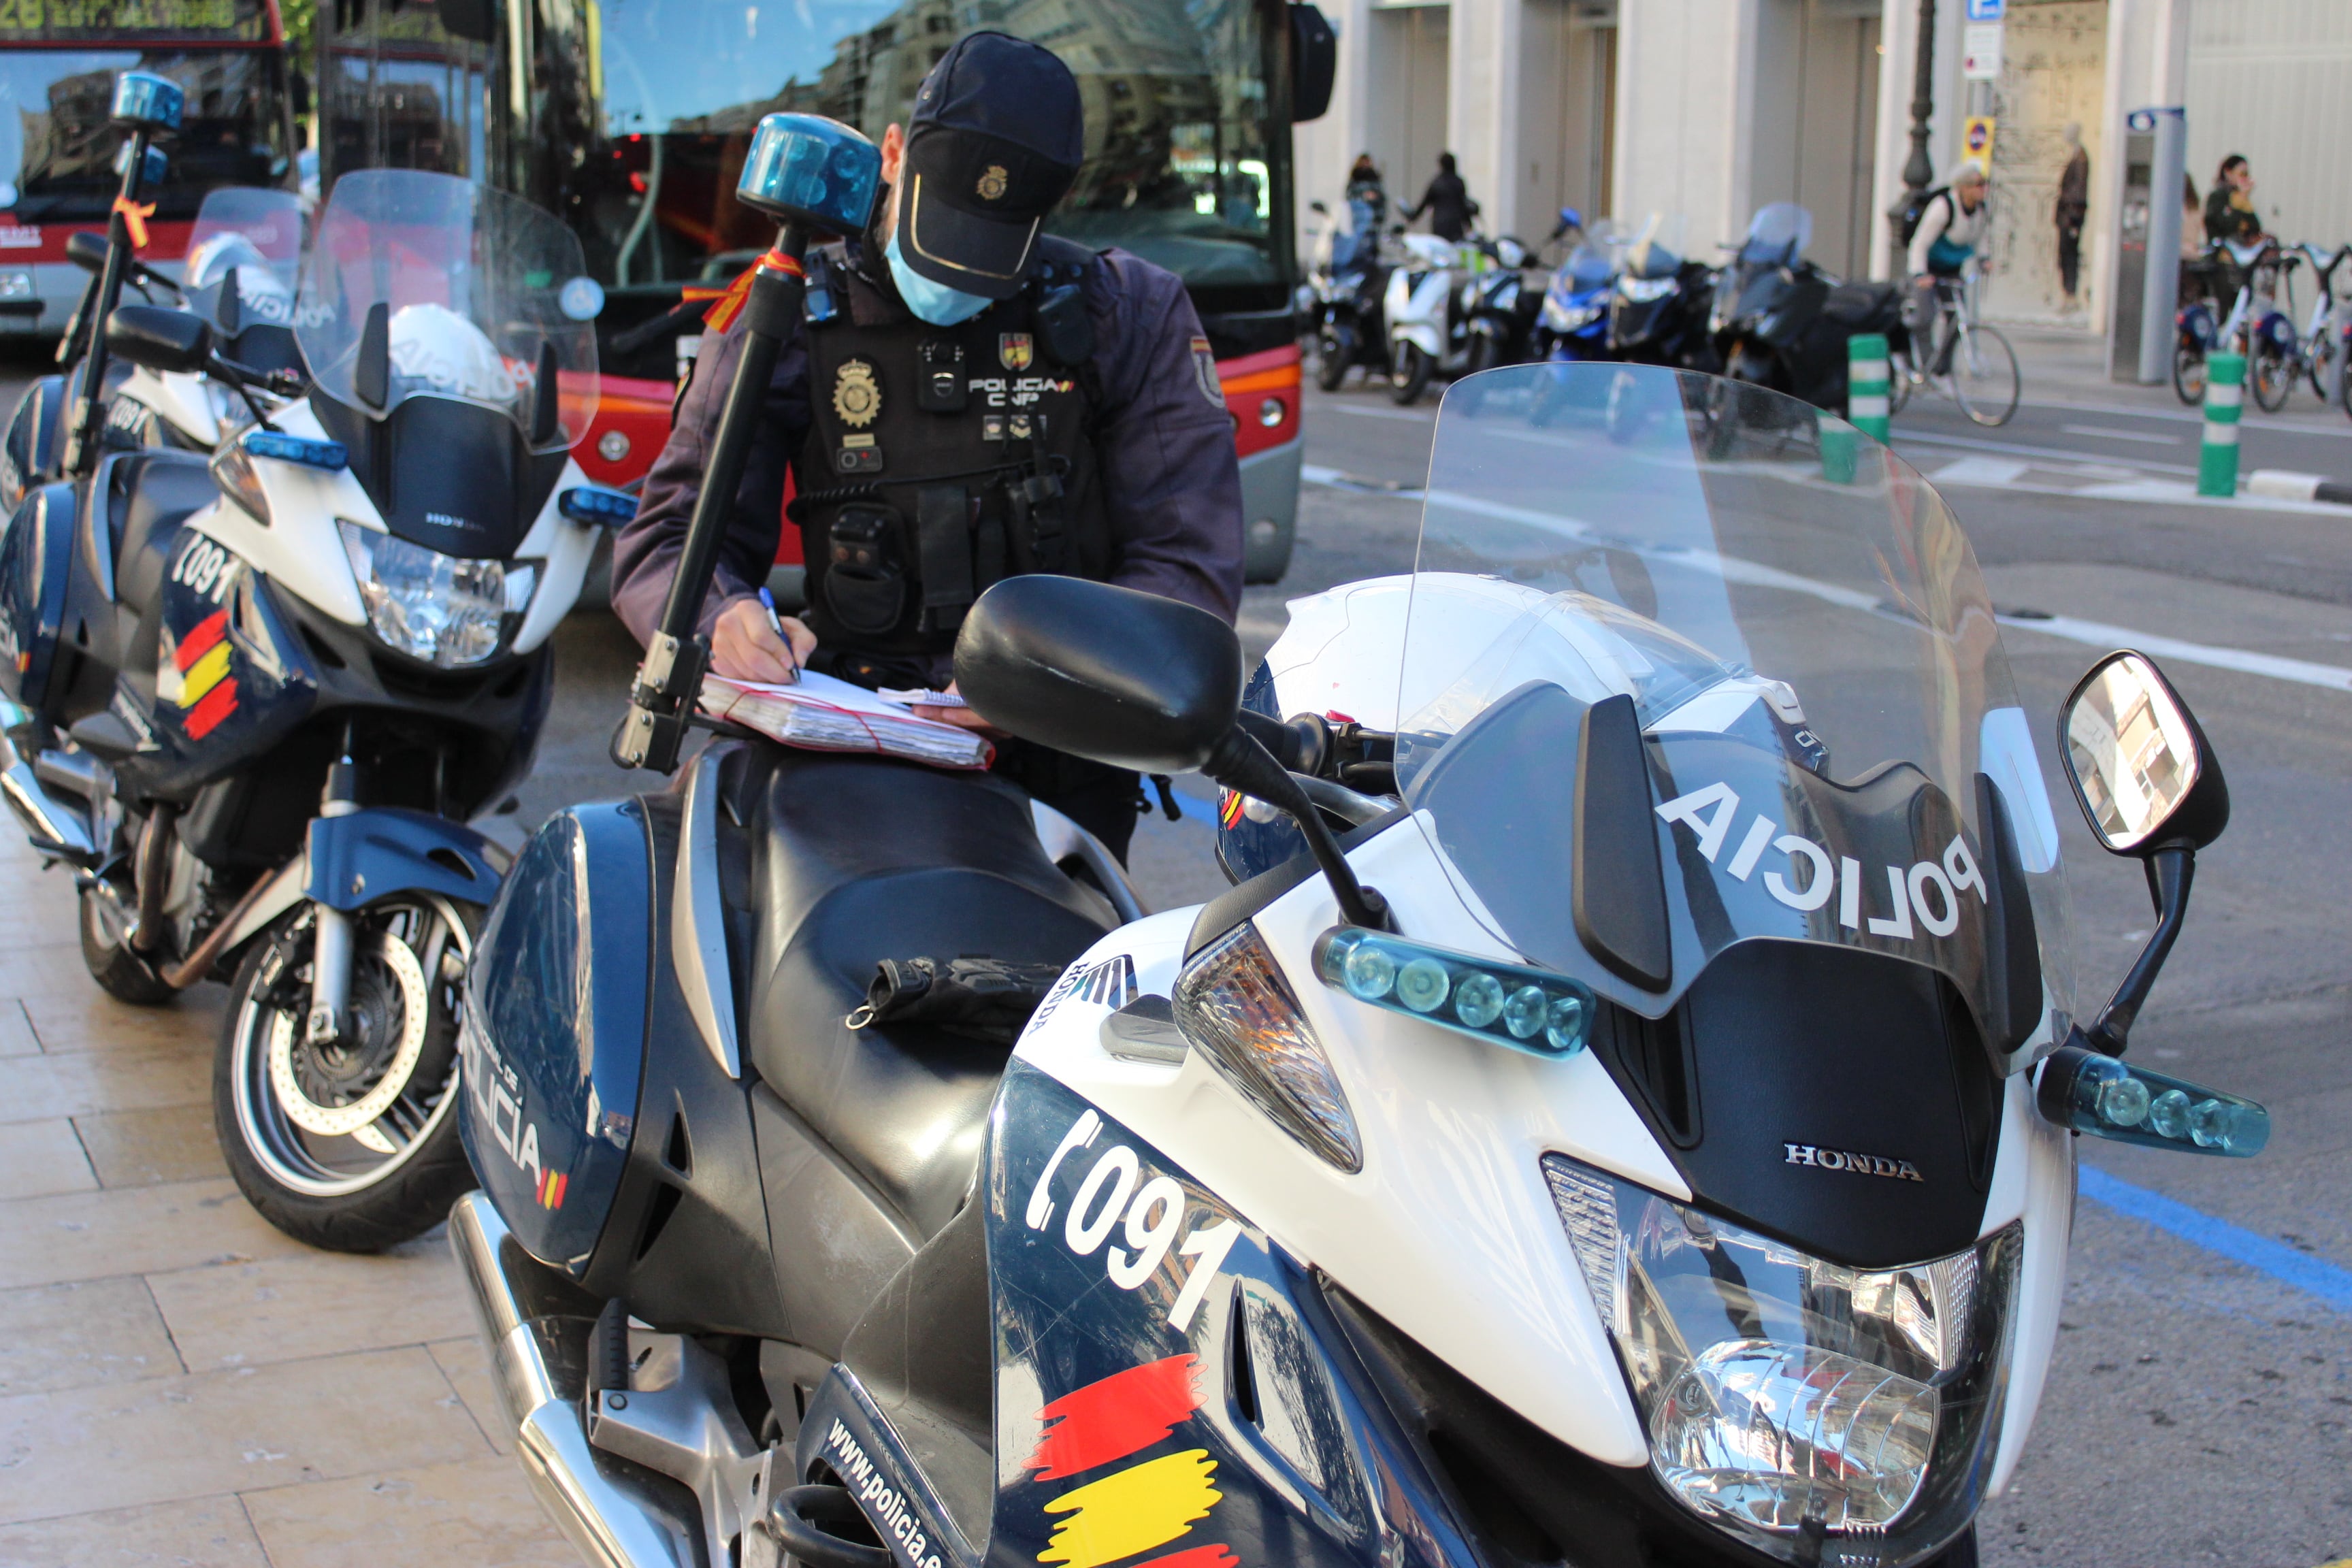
(776, 625)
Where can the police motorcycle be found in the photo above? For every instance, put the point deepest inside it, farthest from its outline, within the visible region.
(1344, 296)
(253, 700)
(245, 253)
(1628, 1119)
(1780, 321)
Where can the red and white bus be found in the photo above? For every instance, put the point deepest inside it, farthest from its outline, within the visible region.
(629, 119)
(59, 60)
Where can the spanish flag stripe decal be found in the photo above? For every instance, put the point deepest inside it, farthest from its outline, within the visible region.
(217, 705)
(200, 642)
(1132, 1511)
(1120, 1414)
(204, 675)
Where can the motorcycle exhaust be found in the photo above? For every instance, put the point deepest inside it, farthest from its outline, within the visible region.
(539, 1362)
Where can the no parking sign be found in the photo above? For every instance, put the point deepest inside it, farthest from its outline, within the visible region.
(1975, 141)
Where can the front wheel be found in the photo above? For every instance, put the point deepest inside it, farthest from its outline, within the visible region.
(1334, 352)
(2274, 376)
(2189, 374)
(1409, 373)
(1985, 381)
(350, 1144)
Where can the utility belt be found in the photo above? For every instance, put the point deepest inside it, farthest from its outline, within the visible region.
(942, 460)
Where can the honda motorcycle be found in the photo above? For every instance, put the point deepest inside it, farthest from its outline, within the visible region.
(1780, 321)
(254, 699)
(1533, 1166)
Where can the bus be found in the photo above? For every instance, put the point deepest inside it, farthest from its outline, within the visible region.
(629, 119)
(59, 60)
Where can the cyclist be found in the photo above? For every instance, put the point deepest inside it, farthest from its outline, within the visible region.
(1951, 228)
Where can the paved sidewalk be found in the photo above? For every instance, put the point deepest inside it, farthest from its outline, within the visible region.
(179, 1383)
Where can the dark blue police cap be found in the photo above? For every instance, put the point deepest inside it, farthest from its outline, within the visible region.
(996, 137)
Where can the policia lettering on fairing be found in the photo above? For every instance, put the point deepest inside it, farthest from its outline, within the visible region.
(967, 399)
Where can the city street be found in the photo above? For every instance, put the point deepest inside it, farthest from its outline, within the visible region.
(182, 1385)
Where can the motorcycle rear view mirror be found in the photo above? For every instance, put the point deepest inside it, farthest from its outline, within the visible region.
(158, 339)
(2139, 765)
(86, 250)
(2151, 788)
(1132, 681)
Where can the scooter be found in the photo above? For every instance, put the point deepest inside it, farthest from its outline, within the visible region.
(1658, 307)
(1498, 310)
(253, 700)
(1344, 298)
(1422, 310)
(1573, 324)
(1780, 321)
(1531, 1167)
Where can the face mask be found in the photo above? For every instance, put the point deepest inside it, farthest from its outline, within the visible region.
(934, 302)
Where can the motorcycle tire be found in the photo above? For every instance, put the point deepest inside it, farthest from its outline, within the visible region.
(331, 1180)
(2272, 373)
(1335, 350)
(119, 972)
(1408, 376)
(2189, 374)
(1485, 353)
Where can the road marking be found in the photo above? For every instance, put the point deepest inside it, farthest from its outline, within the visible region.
(1338, 480)
(2330, 431)
(1369, 412)
(2312, 1276)
(2099, 635)
(2108, 433)
(2018, 450)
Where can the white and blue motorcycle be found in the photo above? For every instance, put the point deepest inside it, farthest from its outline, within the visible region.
(1627, 1116)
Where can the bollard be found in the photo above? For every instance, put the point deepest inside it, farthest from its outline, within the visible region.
(1838, 448)
(2225, 390)
(1866, 383)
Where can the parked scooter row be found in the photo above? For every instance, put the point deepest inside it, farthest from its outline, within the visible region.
(1767, 316)
(1526, 1162)
(274, 612)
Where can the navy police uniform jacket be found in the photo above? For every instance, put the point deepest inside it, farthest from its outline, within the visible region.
(1167, 484)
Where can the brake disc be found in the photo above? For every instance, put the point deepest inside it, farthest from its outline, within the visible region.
(351, 1120)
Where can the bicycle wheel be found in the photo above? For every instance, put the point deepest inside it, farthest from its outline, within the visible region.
(1985, 381)
(2272, 372)
(2324, 368)
(1898, 383)
(2189, 375)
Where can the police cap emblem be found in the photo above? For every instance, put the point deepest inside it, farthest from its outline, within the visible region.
(857, 394)
(993, 182)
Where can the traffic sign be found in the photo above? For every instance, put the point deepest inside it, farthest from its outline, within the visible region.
(1986, 10)
(1980, 51)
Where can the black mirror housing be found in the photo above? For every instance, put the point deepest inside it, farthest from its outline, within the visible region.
(159, 338)
(2139, 762)
(1124, 679)
(86, 250)
(1313, 63)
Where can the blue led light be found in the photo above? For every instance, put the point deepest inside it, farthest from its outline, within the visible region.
(144, 99)
(1529, 1010)
(806, 169)
(151, 171)
(595, 505)
(2096, 1093)
(311, 453)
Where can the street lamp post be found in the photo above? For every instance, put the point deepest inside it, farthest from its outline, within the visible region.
(1918, 170)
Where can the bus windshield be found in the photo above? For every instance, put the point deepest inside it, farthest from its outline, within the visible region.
(1180, 160)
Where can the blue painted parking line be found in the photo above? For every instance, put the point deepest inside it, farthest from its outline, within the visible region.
(2310, 1275)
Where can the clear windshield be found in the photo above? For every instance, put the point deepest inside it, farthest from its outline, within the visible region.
(252, 239)
(1778, 234)
(1801, 627)
(478, 291)
(1656, 249)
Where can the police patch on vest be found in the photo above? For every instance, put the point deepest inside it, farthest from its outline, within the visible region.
(857, 393)
(1204, 372)
(1014, 349)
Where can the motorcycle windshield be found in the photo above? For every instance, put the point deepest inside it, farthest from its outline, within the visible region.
(1826, 714)
(1778, 234)
(256, 235)
(479, 294)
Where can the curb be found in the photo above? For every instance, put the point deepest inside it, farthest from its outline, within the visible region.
(2286, 484)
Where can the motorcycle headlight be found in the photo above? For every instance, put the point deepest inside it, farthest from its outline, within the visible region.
(444, 609)
(1233, 1004)
(1569, 318)
(1790, 1400)
(1642, 290)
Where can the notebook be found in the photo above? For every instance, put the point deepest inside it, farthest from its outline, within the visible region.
(825, 714)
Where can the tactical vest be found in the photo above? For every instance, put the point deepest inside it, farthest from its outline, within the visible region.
(942, 459)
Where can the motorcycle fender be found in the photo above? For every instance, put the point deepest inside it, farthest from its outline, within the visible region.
(364, 855)
(36, 566)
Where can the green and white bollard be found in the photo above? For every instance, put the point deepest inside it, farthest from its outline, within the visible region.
(2225, 393)
(1838, 448)
(1865, 385)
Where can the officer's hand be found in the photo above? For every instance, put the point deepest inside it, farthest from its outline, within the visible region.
(743, 647)
(961, 718)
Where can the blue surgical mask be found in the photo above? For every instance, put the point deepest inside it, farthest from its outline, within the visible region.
(933, 302)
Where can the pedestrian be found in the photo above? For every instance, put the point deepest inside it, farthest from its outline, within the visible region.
(1446, 201)
(1368, 210)
(2230, 206)
(2073, 207)
(966, 399)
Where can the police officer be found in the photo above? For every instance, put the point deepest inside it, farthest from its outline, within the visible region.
(969, 398)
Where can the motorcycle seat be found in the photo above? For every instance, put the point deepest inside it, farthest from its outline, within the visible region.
(924, 864)
(148, 495)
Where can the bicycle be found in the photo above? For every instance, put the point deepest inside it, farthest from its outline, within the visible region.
(1971, 362)
(2322, 348)
(2255, 326)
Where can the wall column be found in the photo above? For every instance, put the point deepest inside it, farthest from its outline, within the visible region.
(1482, 119)
(1685, 97)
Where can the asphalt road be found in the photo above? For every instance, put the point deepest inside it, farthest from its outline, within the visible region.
(2200, 1411)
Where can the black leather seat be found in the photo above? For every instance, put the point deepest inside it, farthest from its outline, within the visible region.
(148, 495)
(855, 860)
